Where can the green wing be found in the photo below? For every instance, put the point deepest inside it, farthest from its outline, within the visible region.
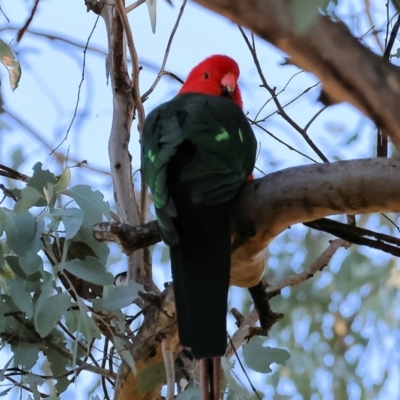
(225, 151)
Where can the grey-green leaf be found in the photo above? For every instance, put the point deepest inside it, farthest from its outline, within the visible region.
(259, 358)
(90, 201)
(151, 376)
(21, 297)
(190, 394)
(152, 5)
(50, 312)
(20, 231)
(72, 219)
(121, 296)
(124, 352)
(25, 354)
(90, 270)
(29, 197)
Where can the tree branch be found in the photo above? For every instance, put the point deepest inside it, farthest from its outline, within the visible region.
(348, 71)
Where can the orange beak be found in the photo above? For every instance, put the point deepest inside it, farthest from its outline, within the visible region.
(228, 82)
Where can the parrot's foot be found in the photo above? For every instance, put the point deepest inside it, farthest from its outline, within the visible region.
(261, 302)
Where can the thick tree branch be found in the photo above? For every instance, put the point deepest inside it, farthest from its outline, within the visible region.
(349, 72)
(270, 205)
(120, 158)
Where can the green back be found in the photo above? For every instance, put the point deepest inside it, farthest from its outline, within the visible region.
(225, 144)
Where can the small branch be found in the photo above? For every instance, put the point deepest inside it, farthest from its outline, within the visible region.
(245, 329)
(79, 86)
(166, 54)
(28, 21)
(169, 368)
(134, 5)
(281, 110)
(135, 63)
(318, 265)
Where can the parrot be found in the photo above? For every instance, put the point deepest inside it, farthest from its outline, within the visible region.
(198, 150)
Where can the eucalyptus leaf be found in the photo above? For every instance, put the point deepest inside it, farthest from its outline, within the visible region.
(151, 376)
(259, 358)
(50, 312)
(20, 231)
(21, 297)
(25, 355)
(7, 58)
(28, 197)
(71, 218)
(30, 264)
(121, 296)
(120, 345)
(90, 201)
(152, 7)
(90, 270)
(190, 394)
(40, 180)
(86, 324)
(63, 181)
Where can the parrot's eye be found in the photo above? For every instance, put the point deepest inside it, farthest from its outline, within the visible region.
(205, 76)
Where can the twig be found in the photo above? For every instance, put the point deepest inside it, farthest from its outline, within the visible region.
(134, 5)
(28, 22)
(5, 16)
(382, 140)
(371, 21)
(244, 331)
(243, 369)
(79, 87)
(166, 54)
(280, 140)
(281, 110)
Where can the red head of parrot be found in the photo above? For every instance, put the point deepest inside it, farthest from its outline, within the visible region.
(217, 75)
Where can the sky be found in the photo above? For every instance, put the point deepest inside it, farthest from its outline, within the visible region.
(52, 71)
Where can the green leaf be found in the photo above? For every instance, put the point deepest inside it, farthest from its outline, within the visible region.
(91, 202)
(120, 345)
(151, 6)
(190, 394)
(86, 324)
(151, 376)
(2, 371)
(90, 270)
(239, 391)
(50, 312)
(31, 264)
(25, 354)
(7, 58)
(13, 263)
(47, 289)
(121, 296)
(42, 180)
(63, 181)
(259, 358)
(21, 297)
(58, 365)
(71, 218)
(20, 231)
(28, 197)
